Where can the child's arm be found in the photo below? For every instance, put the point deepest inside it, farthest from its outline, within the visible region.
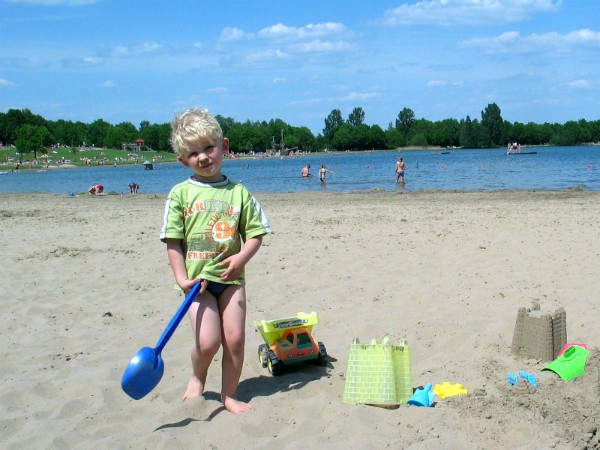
(235, 263)
(177, 261)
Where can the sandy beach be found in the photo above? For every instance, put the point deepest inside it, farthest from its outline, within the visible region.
(86, 283)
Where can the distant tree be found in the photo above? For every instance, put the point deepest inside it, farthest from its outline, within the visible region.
(445, 133)
(97, 132)
(245, 137)
(306, 139)
(151, 135)
(332, 123)
(419, 140)
(227, 123)
(123, 133)
(68, 133)
(356, 117)
(32, 138)
(491, 121)
(570, 134)
(467, 134)
(164, 138)
(422, 127)
(342, 138)
(393, 138)
(405, 120)
(359, 137)
(14, 119)
(376, 138)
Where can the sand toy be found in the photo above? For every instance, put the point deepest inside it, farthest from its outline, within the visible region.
(146, 368)
(289, 341)
(570, 364)
(378, 373)
(447, 389)
(422, 397)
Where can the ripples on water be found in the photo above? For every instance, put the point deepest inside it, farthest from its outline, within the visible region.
(552, 168)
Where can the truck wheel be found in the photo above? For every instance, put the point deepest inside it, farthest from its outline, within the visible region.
(262, 355)
(275, 366)
(322, 358)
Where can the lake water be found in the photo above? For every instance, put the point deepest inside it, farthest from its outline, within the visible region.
(552, 168)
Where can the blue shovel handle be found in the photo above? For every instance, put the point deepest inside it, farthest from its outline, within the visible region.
(189, 299)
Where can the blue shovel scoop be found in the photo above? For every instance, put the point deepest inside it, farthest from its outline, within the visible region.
(146, 368)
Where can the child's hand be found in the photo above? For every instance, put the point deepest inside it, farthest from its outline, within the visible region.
(235, 266)
(189, 284)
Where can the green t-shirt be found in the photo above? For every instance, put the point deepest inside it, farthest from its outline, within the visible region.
(212, 220)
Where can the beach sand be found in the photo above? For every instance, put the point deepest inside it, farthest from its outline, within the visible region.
(86, 283)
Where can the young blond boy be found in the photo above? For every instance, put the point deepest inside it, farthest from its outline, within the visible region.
(207, 217)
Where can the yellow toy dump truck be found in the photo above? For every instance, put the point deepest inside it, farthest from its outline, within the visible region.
(289, 341)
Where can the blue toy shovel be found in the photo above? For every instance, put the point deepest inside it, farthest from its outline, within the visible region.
(146, 368)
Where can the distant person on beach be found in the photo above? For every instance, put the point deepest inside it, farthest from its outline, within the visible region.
(400, 166)
(323, 174)
(96, 189)
(133, 187)
(207, 217)
(306, 171)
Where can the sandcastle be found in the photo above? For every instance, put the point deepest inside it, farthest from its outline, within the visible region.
(540, 337)
(378, 373)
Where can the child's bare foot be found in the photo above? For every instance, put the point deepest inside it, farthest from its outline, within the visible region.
(195, 388)
(235, 406)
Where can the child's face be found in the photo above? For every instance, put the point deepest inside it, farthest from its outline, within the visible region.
(205, 159)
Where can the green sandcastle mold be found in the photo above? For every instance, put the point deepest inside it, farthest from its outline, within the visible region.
(570, 364)
(378, 373)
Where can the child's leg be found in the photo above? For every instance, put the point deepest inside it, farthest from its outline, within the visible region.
(232, 305)
(206, 326)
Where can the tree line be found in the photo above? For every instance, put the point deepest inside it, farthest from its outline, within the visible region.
(31, 133)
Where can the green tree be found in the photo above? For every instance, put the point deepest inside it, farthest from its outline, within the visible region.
(342, 138)
(123, 133)
(467, 134)
(359, 137)
(227, 123)
(32, 138)
(97, 132)
(151, 135)
(393, 138)
(332, 123)
(356, 117)
(419, 140)
(491, 121)
(13, 120)
(375, 138)
(164, 138)
(405, 120)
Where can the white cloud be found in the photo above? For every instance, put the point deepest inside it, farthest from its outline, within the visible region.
(137, 50)
(352, 96)
(108, 84)
(436, 83)
(90, 61)
(218, 90)
(311, 31)
(267, 55)
(514, 42)
(234, 35)
(467, 12)
(321, 47)
(6, 83)
(580, 84)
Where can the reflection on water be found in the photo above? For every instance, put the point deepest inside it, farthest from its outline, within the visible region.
(552, 168)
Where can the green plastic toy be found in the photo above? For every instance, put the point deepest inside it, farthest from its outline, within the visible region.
(570, 364)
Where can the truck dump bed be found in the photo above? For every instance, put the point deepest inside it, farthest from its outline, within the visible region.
(271, 330)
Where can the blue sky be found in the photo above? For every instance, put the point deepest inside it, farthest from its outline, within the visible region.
(134, 60)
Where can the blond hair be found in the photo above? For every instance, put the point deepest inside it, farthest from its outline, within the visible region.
(193, 125)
